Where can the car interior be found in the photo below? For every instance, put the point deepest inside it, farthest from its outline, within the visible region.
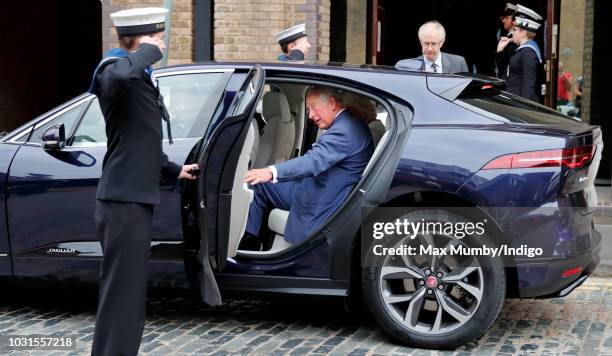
(280, 131)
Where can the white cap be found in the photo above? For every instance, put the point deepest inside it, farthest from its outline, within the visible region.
(291, 34)
(527, 19)
(527, 13)
(510, 9)
(526, 23)
(139, 21)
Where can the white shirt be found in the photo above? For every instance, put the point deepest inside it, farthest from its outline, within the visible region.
(273, 169)
(438, 63)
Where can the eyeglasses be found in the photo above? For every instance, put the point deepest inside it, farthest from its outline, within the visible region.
(430, 44)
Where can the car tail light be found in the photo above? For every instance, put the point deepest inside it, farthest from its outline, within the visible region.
(571, 272)
(571, 158)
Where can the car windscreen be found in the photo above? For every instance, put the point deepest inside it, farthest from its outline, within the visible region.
(514, 108)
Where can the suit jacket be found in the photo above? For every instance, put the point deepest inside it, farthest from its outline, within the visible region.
(523, 74)
(451, 63)
(325, 175)
(129, 101)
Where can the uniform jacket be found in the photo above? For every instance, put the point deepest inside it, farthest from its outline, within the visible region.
(129, 101)
(503, 58)
(325, 175)
(523, 73)
(295, 55)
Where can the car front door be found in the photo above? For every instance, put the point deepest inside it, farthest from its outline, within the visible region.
(51, 193)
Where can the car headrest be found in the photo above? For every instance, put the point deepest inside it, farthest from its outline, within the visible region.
(275, 104)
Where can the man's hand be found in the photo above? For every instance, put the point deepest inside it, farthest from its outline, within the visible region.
(256, 176)
(503, 42)
(186, 169)
(154, 41)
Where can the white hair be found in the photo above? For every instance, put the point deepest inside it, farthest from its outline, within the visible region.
(432, 25)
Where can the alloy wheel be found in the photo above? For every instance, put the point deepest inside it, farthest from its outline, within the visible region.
(429, 293)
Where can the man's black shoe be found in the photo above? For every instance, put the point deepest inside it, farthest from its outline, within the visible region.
(250, 243)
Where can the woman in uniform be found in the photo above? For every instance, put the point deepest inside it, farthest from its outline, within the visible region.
(525, 62)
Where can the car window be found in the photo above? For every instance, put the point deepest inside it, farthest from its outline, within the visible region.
(68, 118)
(515, 108)
(186, 98)
(91, 131)
(243, 97)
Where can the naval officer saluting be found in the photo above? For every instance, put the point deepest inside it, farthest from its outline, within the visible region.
(294, 43)
(129, 186)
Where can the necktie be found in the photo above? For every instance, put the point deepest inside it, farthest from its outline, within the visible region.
(434, 68)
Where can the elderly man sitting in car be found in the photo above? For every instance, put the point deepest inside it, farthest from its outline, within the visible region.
(311, 187)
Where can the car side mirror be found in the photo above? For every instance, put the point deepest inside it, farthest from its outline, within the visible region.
(54, 138)
(410, 64)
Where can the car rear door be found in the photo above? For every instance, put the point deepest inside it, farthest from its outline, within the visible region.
(218, 160)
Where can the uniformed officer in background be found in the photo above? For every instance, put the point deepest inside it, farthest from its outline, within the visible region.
(505, 46)
(294, 43)
(525, 66)
(129, 186)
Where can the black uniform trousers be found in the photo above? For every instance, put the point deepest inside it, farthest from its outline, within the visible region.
(124, 230)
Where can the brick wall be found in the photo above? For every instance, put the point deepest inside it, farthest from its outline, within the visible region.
(181, 40)
(244, 29)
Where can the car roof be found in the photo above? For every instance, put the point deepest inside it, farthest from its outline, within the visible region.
(406, 85)
(308, 66)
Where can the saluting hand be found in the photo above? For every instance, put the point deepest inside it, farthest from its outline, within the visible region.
(186, 171)
(503, 42)
(256, 176)
(154, 40)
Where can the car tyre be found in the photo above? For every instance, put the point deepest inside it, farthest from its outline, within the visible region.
(413, 331)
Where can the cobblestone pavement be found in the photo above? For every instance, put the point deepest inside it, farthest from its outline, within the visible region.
(580, 324)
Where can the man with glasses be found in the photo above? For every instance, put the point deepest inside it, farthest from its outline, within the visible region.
(432, 35)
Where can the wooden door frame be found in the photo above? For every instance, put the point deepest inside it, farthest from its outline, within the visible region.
(553, 10)
(372, 29)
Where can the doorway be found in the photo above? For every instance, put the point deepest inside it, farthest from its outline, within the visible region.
(48, 55)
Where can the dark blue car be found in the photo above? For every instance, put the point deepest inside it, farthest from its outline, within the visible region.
(443, 143)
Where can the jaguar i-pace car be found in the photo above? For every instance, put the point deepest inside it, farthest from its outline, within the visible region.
(444, 142)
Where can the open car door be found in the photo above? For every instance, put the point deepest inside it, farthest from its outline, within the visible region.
(221, 194)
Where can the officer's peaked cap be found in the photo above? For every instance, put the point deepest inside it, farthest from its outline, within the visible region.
(291, 34)
(140, 21)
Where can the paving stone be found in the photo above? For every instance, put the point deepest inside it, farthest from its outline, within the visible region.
(578, 324)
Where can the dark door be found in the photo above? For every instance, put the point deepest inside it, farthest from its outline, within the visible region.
(219, 158)
(551, 34)
(51, 195)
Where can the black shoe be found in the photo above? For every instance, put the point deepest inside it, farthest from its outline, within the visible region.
(250, 243)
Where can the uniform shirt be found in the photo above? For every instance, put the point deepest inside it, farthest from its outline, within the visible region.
(134, 158)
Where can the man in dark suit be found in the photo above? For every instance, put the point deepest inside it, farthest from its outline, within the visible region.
(313, 186)
(129, 186)
(432, 36)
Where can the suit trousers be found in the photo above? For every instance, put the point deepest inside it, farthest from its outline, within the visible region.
(124, 230)
(268, 196)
